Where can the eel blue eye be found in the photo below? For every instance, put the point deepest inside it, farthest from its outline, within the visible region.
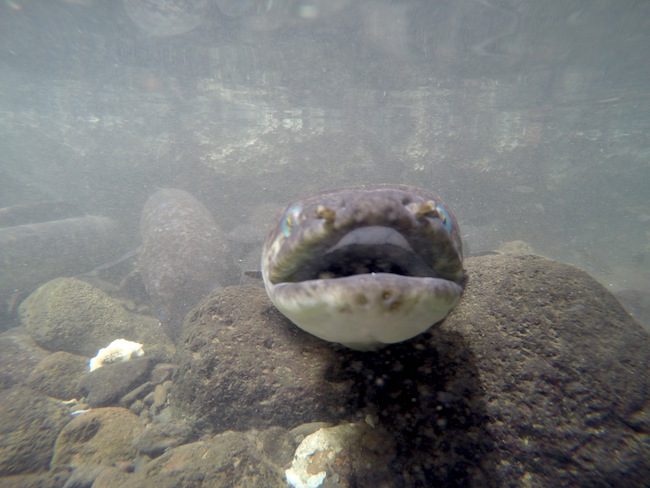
(444, 217)
(290, 219)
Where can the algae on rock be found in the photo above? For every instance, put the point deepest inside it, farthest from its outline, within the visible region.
(68, 314)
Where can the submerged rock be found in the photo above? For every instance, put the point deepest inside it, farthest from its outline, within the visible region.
(30, 423)
(118, 351)
(183, 255)
(36, 480)
(67, 314)
(560, 364)
(19, 355)
(246, 459)
(31, 254)
(58, 375)
(535, 378)
(100, 436)
(105, 386)
(162, 436)
(242, 365)
(347, 455)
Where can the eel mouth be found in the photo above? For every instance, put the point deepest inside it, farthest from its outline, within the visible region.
(364, 250)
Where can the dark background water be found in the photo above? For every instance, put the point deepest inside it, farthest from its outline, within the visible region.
(532, 119)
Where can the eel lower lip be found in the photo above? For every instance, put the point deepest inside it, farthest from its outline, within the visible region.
(364, 312)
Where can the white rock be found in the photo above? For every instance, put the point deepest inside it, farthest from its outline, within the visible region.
(117, 351)
(316, 457)
(300, 474)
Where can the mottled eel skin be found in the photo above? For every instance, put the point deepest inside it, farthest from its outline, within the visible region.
(365, 266)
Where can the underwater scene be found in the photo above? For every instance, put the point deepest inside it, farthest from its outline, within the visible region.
(324, 243)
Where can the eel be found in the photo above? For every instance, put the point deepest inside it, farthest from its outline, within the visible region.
(365, 266)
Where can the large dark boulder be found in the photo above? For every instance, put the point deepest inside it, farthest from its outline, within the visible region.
(30, 424)
(538, 378)
(563, 369)
(244, 366)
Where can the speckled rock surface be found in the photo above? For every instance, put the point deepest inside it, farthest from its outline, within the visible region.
(561, 365)
(67, 314)
(19, 355)
(106, 385)
(35, 480)
(242, 365)
(101, 436)
(58, 375)
(252, 459)
(159, 437)
(29, 425)
(111, 477)
(534, 379)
